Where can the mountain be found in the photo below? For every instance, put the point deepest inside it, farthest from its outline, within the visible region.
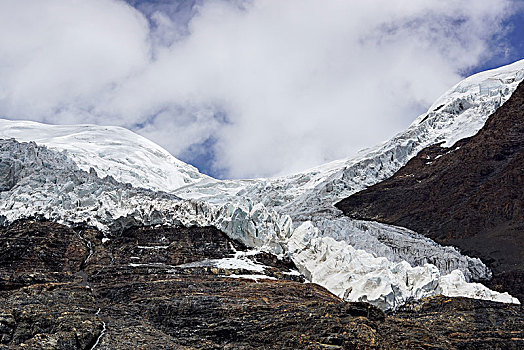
(180, 288)
(39, 181)
(113, 181)
(110, 151)
(469, 195)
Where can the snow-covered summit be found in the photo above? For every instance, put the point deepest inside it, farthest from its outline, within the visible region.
(109, 150)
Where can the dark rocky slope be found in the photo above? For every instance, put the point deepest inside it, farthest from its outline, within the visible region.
(62, 288)
(470, 196)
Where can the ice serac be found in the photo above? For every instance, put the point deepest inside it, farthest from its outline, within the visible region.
(292, 215)
(110, 151)
(357, 275)
(36, 180)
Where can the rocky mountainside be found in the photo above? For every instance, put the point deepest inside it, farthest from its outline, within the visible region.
(194, 288)
(469, 195)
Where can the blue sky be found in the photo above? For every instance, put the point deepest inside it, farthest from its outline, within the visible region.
(247, 88)
(514, 40)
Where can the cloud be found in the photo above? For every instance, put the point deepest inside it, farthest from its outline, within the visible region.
(57, 57)
(272, 86)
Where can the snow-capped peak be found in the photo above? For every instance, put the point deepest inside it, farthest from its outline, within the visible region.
(109, 150)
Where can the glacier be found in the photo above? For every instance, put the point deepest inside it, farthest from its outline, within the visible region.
(111, 178)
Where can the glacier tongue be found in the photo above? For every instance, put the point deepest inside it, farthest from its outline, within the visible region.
(356, 275)
(399, 244)
(291, 215)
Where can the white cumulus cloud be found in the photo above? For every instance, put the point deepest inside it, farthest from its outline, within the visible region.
(278, 86)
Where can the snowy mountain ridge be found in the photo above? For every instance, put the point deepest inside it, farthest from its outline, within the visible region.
(459, 113)
(109, 150)
(291, 215)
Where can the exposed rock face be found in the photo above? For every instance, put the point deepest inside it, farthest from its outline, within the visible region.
(462, 323)
(179, 288)
(470, 195)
